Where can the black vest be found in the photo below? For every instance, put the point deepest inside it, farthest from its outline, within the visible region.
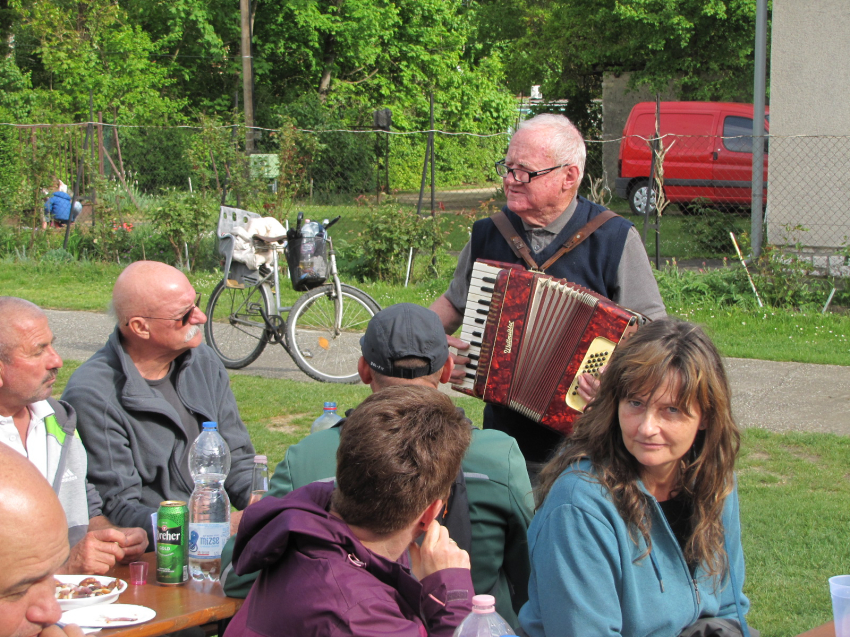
(593, 264)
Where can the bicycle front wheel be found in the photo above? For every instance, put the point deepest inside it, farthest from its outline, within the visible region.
(235, 328)
(316, 347)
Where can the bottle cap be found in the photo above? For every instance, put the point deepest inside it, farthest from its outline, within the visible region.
(261, 460)
(483, 604)
(330, 405)
(210, 425)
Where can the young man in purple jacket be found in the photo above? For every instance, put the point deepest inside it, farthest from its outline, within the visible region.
(333, 560)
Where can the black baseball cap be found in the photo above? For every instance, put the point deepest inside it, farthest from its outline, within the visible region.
(404, 330)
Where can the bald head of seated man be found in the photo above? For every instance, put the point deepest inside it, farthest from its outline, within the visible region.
(33, 546)
(44, 430)
(142, 398)
(156, 310)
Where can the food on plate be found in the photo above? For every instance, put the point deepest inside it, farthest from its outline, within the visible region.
(112, 620)
(89, 587)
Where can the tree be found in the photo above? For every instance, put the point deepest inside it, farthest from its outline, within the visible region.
(358, 55)
(198, 42)
(69, 47)
(706, 46)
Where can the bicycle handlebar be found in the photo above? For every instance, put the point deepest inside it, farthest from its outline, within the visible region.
(328, 224)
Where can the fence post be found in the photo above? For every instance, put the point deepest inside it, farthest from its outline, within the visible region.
(77, 183)
(431, 138)
(756, 220)
(377, 169)
(35, 223)
(90, 135)
(650, 187)
(100, 142)
(118, 148)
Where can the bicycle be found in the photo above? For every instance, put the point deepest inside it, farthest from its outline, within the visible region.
(323, 328)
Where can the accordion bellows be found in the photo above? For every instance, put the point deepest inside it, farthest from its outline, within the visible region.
(531, 336)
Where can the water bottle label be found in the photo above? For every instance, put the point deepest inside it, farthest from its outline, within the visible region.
(207, 540)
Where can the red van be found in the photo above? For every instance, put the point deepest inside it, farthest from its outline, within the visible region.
(711, 156)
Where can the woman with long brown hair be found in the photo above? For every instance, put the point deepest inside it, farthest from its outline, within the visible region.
(637, 530)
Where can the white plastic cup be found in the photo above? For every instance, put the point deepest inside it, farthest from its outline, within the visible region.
(839, 589)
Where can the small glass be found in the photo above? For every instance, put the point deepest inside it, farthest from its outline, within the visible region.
(138, 573)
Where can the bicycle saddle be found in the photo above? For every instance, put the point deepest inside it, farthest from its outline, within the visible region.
(279, 239)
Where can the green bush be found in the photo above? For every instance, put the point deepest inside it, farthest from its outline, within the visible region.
(155, 157)
(184, 219)
(383, 246)
(709, 229)
(720, 287)
(782, 280)
(11, 168)
(459, 160)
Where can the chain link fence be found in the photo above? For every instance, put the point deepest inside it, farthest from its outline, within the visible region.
(123, 173)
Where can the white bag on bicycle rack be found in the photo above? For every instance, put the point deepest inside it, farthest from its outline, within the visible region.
(243, 247)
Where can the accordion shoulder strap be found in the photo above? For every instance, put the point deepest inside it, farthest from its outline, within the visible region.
(520, 249)
(588, 229)
(515, 242)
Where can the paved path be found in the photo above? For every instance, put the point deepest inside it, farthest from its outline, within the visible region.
(776, 396)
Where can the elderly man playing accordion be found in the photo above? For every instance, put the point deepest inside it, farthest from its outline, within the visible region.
(541, 174)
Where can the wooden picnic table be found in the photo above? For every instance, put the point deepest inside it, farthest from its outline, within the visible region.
(824, 630)
(177, 607)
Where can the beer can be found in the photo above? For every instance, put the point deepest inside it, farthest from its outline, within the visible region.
(172, 555)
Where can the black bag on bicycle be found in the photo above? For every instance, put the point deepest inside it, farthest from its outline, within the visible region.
(307, 260)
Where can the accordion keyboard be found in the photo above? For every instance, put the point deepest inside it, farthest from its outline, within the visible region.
(475, 316)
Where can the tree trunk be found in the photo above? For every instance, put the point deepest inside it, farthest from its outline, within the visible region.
(330, 58)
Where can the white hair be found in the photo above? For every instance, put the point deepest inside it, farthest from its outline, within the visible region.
(565, 141)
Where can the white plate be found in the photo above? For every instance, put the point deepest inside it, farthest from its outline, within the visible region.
(112, 616)
(68, 604)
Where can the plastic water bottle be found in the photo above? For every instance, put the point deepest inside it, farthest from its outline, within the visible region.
(260, 479)
(483, 621)
(327, 420)
(308, 233)
(209, 506)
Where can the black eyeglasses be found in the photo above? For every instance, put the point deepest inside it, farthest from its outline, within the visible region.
(183, 319)
(521, 175)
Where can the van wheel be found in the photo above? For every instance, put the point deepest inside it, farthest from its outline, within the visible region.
(637, 197)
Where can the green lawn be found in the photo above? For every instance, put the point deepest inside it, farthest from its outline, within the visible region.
(780, 335)
(794, 488)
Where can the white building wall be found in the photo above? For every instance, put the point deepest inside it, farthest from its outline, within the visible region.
(809, 175)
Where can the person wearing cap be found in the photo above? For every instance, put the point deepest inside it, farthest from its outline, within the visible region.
(490, 507)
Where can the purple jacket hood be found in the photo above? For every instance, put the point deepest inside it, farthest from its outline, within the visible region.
(318, 579)
(268, 526)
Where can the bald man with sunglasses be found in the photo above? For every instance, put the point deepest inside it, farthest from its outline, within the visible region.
(141, 399)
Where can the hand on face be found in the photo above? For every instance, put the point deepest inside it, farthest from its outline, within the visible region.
(438, 552)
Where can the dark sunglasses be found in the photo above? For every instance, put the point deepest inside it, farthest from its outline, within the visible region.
(183, 319)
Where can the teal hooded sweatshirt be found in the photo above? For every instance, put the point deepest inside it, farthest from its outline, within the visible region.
(588, 577)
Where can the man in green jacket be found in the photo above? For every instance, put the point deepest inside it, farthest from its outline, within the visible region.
(491, 501)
